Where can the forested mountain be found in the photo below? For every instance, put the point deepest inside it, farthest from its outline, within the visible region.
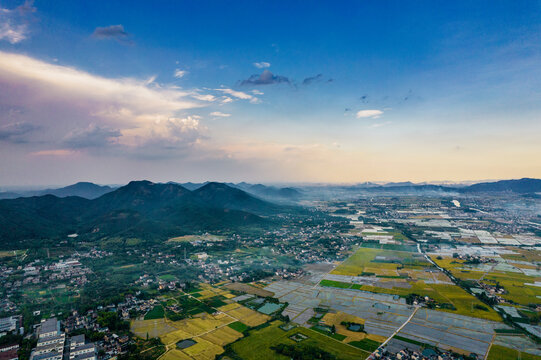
(141, 208)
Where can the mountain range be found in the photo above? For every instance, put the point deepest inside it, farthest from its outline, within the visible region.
(139, 209)
(85, 190)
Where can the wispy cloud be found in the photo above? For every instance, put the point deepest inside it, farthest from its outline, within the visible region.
(374, 114)
(14, 22)
(237, 94)
(53, 152)
(219, 114)
(16, 132)
(91, 136)
(265, 78)
(311, 79)
(262, 65)
(180, 73)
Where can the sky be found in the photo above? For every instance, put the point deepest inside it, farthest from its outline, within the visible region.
(269, 91)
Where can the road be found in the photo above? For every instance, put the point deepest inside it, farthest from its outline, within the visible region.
(395, 332)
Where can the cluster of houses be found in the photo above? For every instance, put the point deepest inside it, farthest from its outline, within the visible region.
(409, 354)
(55, 345)
(35, 273)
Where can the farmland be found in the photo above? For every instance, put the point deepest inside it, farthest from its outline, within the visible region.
(403, 273)
(498, 352)
(258, 344)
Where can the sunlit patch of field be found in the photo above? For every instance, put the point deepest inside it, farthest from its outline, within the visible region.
(154, 328)
(175, 354)
(257, 346)
(516, 286)
(525, 266)
(513, 282)
(249, 289)
(366, 260)
(199, 325)
(191, 238)
(336, 319)
(222, 336)
(204, 350)
(248, 316)
(523, 255)
(175, 336)
(11, 253)
(209, 291)
(229, 307)
(498, 352)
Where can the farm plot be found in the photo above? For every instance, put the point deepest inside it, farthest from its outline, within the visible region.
(379, 262)
(498, 352)
(249, 289)
(245, 315)
(449, 331)
(257, 346)
(154, 328)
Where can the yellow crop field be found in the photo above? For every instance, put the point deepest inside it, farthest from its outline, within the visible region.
(175, 354)
(222, 336)
(249, 289)
(248, 316)
(204, 350)
(229, 307)
(175, 336)
(367, 260)
(154, 328)
(199, 325)
(337, 318)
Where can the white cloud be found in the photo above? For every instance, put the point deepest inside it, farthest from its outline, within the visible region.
(237, 94)
(262, 65)
(180, 73)
(374, 114)
(13, 23)
(204, 97)
(65, 101)
(219, 114)
(257, 92)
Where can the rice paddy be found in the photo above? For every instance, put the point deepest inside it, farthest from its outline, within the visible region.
(257, 346)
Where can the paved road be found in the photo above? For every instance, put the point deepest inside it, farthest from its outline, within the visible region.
(396, 331)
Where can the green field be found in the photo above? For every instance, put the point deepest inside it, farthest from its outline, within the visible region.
(237, 325)
(168, 277)
(513, 282)
(364, 261)
(257, 345)
(366, 344)
(336, 284)
(498, 352)
(322, 330)
(157, 312)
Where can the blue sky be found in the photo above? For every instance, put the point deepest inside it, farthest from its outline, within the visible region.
(269, 91)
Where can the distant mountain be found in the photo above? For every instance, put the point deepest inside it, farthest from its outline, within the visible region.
(520, 186)
(403, 183)
(85, 190)
(9, 195)
(271, 192)
(139, 209)
(192, 186)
